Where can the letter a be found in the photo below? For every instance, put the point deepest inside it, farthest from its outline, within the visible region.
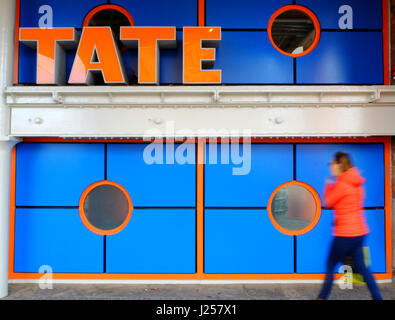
(97, 52)
(346, 20)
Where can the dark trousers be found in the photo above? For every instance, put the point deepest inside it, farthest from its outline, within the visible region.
(342, 247)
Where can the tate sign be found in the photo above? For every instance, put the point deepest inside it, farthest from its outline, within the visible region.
(97, 51)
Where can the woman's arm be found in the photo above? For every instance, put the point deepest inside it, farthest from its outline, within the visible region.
(333, 193)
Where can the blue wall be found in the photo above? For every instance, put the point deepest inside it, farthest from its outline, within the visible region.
(245, 241)
(56, 174)
(161, 234)
(155, 241)
(312, 167)
(160, 237)
(56, 238)
(313, 248)
(236, 235)
(271, 166)
(153, 185)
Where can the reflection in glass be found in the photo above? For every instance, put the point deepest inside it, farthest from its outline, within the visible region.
(293, 31)
(293, 207)
(106, 207)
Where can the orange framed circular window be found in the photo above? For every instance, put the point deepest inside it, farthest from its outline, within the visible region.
(105, 208)
(107, 7)
(294, 30)
(294, 208)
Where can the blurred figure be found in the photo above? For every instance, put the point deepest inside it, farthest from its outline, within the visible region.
(345, 196)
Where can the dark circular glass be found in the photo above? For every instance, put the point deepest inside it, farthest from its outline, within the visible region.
(293, 31)
(106, 207)
(293, 207)
(110, 18)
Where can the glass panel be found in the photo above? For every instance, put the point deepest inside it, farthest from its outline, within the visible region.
(293, 207)
(106, 207)
(293, 31)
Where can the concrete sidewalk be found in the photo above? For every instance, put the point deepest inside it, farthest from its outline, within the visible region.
(191, 292)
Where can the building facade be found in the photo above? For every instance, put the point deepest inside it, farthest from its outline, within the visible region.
(189, 140)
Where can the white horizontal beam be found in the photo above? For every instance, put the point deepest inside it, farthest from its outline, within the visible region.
(115, 111)
(202, 122)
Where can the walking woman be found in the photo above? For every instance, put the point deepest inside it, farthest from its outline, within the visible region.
(345, 196)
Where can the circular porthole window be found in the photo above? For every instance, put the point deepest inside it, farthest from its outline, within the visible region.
(105, 208)
(108, 15)
(294, 208)
(294, 30)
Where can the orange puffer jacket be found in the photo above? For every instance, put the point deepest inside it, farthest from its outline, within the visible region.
(346, 197)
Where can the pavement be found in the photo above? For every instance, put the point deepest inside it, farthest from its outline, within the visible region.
(192, 292)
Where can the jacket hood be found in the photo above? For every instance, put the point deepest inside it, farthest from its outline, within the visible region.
(352, 177)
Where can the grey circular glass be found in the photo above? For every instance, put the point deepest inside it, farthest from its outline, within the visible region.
(293, 207)
(106, 207)
(110, 17)
(293, 32)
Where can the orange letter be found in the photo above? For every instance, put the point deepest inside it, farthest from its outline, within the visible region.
(50, 44)
(97, 43)
(196, 57)
(149, 40)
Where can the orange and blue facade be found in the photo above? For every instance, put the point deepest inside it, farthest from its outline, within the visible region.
(193, 221)
(198, 221)
(246, 54)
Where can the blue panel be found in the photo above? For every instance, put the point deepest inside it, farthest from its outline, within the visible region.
(249, 58)
(155, 241)
(245, 241)
(70, 55)
(367, 14)
(27, 64)
(156, 185)
(57, 238)
(56, 174)
(130, 62)
(343, 58)
(171, 63)
(312, 167)
(313, 248)
(271, 165)
(248, 14)
(376, 239)
(178, 13)
(69, 13)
